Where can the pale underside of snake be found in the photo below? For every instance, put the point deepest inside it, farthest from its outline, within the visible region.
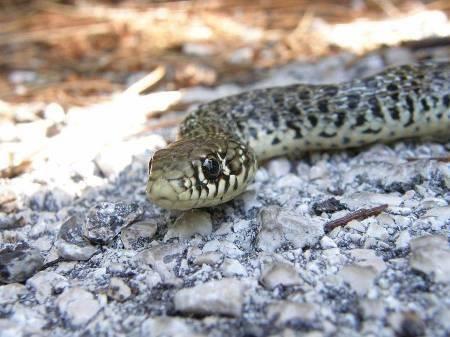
(220, 143)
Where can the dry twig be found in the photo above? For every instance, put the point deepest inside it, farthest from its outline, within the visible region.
(359, 214)
(445, 159)
(146, 82)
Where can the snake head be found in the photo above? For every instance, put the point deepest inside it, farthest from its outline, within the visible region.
(199, 172)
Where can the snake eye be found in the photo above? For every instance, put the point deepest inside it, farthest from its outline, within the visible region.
(211, 168)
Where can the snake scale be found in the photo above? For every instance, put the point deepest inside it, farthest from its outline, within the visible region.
(220, 142)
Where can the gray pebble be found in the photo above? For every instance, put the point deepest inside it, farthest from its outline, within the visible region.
(106, 219)
(45, 283)
(279, 227)
(71, 244)
(138, 234)
(18, 265)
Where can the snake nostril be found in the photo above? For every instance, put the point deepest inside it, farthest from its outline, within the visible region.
(150, 165)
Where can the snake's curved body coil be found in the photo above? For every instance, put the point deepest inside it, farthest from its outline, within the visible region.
(221, 141)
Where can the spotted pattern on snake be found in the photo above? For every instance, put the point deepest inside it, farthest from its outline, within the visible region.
(220, 143)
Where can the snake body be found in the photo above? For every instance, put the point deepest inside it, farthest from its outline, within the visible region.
(221, 141)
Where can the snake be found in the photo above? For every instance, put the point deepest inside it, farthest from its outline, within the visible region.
(220, 142)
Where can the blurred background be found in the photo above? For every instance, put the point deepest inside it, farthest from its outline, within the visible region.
(76, 76)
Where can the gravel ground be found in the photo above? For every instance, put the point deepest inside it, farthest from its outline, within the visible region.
(83, 253)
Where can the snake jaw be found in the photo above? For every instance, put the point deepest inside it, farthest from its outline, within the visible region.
(178, 180)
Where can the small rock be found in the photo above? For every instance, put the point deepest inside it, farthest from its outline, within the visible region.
(78, 306)
(45, 283)
(285, 312)
(231, 267)
(330, 205)
(439, 216)
(71, 244)
(163, 259)
(54, 112)
(370, 199)
(167, 326)
(118, 290)
(407, 324)
(218, 297)
(9, 328)
(279, 274)
(10, 293)
(190, 223)
(368, 257)
(209, 258)
(360, 278)
(106, 219)
(242, 56)
(327, 243)
(18, 265)
(229, 249)
(198, 49)
(136, 235)
(279, 167)
(318, 171)
(9, 222)
(373, 309)
(403, 240)
(279, 227)
(356, 225)
(377, 231)
(430, 254)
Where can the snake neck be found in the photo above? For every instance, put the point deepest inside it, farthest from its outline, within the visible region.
(402, 102)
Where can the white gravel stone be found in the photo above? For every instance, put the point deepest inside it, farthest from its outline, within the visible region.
(163, 259)
(279, 167)
(359, 278)
(430, 254)
(373, 308)
(231, 267)
(10, 293)
(327, 243)
(279, 274)
(167, 326)
(279, 227)
(190, 223)
(209, 258)
(118, 289)
(377, 231)
(370, 199)
(438, 216)
(222, 297)
(229, 249)
(78, 306)
(284, 312)
(403, 240)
